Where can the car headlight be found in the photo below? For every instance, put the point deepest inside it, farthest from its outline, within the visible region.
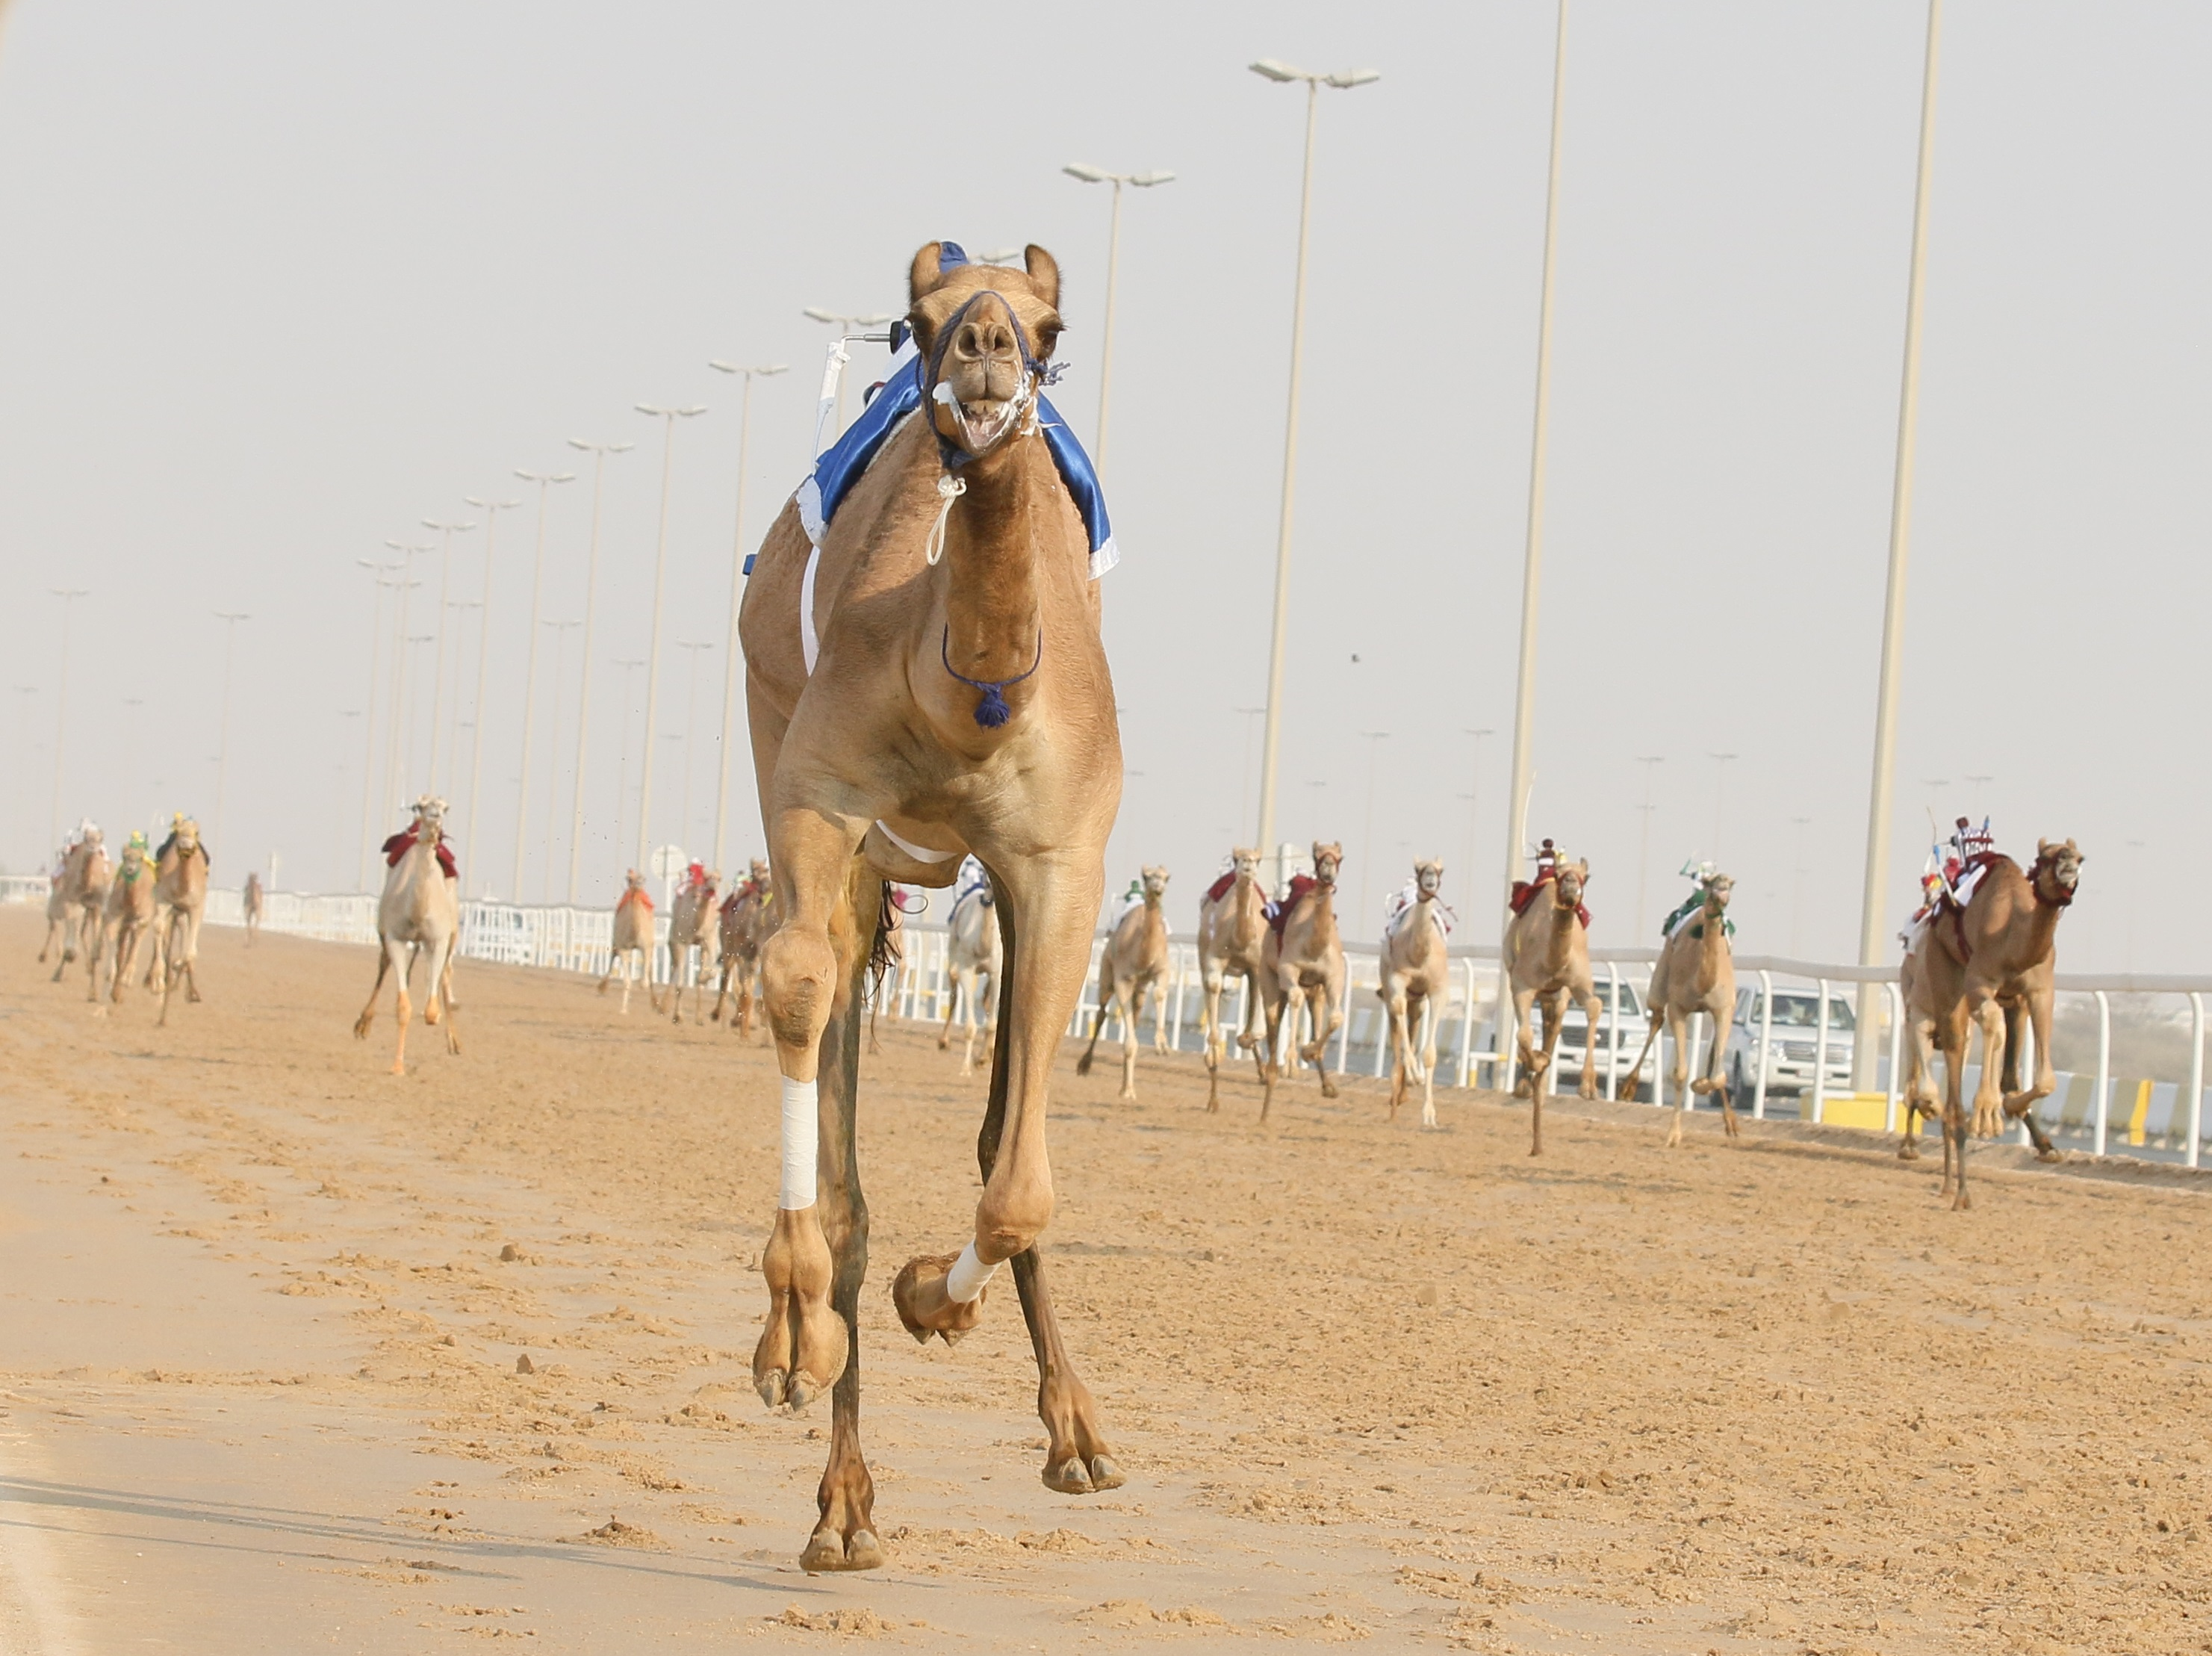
(1778, 1052)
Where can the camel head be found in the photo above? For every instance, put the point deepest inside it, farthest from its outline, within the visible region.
(985, 333)
(1718, 889)
(1327, 859)
(1246, 861)
(1567, 884)
(188, 836)
(633, 881)
(430, 815)
(1155, 882)
(2062, 860)
(759, 872)
(1429, 876)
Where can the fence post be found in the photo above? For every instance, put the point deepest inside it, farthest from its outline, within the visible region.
(1467, 1025)
(2104, 1065)
(1613, 1037)
(1766, 1039)
(1344, 1030)
(2196, 1073)
(1895, 997)
(1820, 1053)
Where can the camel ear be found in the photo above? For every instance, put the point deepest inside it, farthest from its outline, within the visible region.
(927, 272)
(1044, 273)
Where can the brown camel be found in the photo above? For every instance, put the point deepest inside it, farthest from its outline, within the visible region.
(1546, 958)
(128, 917)
(1696, 973)
(1986, 964)
(632, 950)
(1232, 923)
(86, 874)
(1301, 969)
(1416, 982)
(960, 701)
(420, 912)
(691, 919)
(252, 903)
(180, 889)
(747, 918)
(1130, 967)
(974, 952)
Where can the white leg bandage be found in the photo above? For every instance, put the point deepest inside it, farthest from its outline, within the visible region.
(969, 1276)
(802, 1133)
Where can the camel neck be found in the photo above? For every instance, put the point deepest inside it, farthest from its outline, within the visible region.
(989, 570)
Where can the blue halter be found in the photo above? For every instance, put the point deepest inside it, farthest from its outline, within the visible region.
(992, 711)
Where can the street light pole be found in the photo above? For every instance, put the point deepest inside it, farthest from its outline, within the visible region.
(1091, 175)
(737, 602)
(598, 452)
(230, 619)
(69, 596)
(1271, 741)
(491, 509)
(378, 573)
(1643, 840)
(667, 417)
(552, 747)
(544, 480)
(1524, 693)
(1874, 897)
(396, 756)
(690, 724)
(622, 769)
(446, 532)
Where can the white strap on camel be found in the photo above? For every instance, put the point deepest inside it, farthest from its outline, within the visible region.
(802, 1131)
(969, 1278)
(919, 852)
(949, 489)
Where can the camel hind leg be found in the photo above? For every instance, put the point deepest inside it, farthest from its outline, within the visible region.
(2021, 1105)
(1109, 995)
(1680, 1026)
(1130, 1004)
(1717, 1078)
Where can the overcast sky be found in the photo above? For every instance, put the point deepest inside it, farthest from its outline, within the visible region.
(283, 281)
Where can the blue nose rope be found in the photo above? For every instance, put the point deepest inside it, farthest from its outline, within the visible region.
(992, 711)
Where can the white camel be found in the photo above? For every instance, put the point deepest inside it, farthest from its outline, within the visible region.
(973, 952)
(1416, 973)
(632, 950)
(420, 910)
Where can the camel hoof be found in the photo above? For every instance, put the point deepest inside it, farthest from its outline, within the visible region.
(2050, 1155)
(399, 1066)
(1070, 1477)
(1908, 1151)
(1105, 1474)
(827, 1550)
(769, 1382)
(1083, 1064)
(919, 1295)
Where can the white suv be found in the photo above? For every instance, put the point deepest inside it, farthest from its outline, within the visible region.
(1574, 1034)
(1789, 1055)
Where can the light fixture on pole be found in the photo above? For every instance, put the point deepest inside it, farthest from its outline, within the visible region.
(1090, 175)
(69, 596)
(668, 418)
(544, 480)
(598, 452)
(230, 619)
(1271, 741)
(491, 509)
(1532, 566)
(1874, 938)
(720, 846)
(553, 747)
(445, 534)
(849, 328)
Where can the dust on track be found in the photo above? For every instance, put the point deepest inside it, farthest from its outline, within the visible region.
(1370, 1382)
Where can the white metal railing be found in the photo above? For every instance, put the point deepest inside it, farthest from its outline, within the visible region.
(567, 939)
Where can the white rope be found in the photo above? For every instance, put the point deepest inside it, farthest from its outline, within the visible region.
(949, 489)
(969, 1278)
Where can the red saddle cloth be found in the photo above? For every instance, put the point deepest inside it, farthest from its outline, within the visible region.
(1524, 893)
(634, 894)
(1219, 889)
(400, 843)
(1279, 916)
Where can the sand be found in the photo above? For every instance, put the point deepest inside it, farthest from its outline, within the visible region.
(263, 1308)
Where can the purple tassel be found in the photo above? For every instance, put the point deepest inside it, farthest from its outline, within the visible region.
(992, 711)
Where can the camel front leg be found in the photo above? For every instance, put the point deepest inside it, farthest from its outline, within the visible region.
(1046, 905)
(1212, 1041)
(1955, 1037)
(1989, 1093)
(439, 994)
(1393, 996)
(1919, 1091)
(1108, 994)
(1717, 1068)
(189, 966)
(2022, 1106)
(1679, 1026)
(1592, 1021)
(1166, 984)
(1129, 1007)
(406, 1008)
(844, 1536)
(805, 971)
(1327, 1018)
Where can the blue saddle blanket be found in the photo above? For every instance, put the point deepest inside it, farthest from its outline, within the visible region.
(843, 463)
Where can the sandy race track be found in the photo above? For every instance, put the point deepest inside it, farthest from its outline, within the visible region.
(264, 1306)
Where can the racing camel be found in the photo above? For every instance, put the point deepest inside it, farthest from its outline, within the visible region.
(1130, 967)
(81, 893)
(420, 910)
(972, 954)
(926, 679)
(1986, 964)
(692, 926)
(1547, 957)
(1302, 972)
(1231, 921)
(1696, 973)
(745, 923)
(631, 953)
(180, 889)
(1416, 983)
(128, 917)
